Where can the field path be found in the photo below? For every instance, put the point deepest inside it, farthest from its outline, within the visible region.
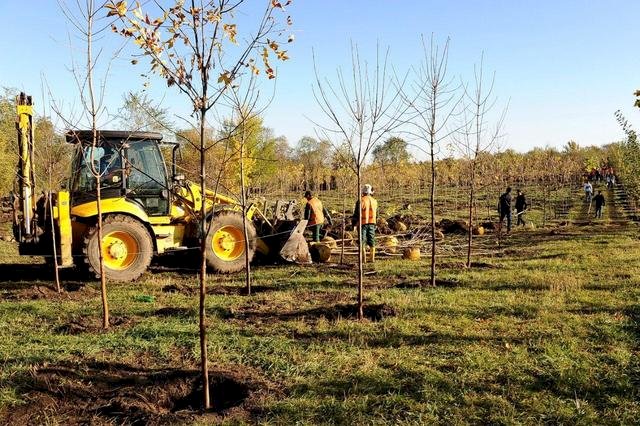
(616, 209)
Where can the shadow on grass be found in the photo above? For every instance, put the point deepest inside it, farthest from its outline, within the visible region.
(220, 289)
(392, 340)
(372, 312)
(24, 273)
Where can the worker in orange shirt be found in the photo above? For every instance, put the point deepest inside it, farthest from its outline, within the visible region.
(368, 207)
(315, 214)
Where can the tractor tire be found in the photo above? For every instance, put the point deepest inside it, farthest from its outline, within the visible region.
(225, 243)
(127, 248)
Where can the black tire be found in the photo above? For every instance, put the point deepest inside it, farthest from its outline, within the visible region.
(228, 255)
(138, 254)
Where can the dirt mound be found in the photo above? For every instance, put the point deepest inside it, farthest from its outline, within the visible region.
(92, 324)
(29, 291)
(110, 393)
(449, 226)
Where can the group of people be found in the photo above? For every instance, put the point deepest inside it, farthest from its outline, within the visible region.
(602, 174)
(504, 208)
(366, 209)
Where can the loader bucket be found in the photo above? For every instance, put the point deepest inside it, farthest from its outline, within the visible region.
(296, 249)
(285, 242)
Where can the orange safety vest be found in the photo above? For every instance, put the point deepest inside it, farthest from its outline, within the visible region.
(316, 217)
(369, 207)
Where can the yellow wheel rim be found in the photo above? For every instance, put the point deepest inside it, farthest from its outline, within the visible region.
(228, 243)
(119, 250)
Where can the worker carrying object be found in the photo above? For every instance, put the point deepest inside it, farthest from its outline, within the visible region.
(315, 214)
(521, 207)
(368, 208)
(504, 209)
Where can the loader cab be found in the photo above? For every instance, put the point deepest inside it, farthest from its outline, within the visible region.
(129, 164)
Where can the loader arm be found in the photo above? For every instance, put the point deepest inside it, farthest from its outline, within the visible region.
(28, 227)
(24, 225)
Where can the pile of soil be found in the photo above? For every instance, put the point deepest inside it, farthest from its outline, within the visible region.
(449, 226)
(79, 325)
(111, 393)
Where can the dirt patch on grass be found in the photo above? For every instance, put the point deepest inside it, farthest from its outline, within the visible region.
(219, 289)
(174, 312)
(486, 265)
(109, 393)
(440, 282)
(334, 312)
(29, 291)
(81, 325)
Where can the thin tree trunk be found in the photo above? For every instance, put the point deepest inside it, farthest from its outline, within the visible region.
(344, 222)
(247, 265)
(204, 362)
(53, 240)
(97, 173)
(360, 254)
(433, 216)
(470, 233)
(103, 278)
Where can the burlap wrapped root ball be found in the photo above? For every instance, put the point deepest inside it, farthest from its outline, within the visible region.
(350, 238)
(478, 230)
(389, 243)
(399, 226)
(320, 253)
(329, 242)
(411, 253)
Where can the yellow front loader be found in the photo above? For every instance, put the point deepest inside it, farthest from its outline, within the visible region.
(145, 210)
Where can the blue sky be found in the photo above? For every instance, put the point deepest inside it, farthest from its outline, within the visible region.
(565, 66)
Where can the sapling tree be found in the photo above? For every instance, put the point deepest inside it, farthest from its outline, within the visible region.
(361, 108)
(88, 21)
(243, 133)
(476, 135)
(432, 100)
(200, 48)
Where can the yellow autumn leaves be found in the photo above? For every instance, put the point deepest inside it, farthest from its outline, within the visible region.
(157, 38)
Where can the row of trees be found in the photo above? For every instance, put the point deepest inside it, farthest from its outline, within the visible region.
(625, 156)
(273, 166)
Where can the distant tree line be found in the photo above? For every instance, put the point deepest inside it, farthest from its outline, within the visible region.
(276, 167)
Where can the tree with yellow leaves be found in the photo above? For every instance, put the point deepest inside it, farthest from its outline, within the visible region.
(195, 46)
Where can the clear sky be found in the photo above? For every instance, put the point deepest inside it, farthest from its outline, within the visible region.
(565, 66)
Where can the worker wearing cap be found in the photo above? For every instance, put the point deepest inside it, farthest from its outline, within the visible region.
(315, 214)
(368, 207)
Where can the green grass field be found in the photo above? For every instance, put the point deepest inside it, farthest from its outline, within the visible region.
(545, 328)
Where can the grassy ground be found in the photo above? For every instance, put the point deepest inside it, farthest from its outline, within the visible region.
(544, 329)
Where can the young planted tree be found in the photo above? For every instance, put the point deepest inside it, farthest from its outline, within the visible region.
(52, 164)
(196, 47)
(86, 17)
(433, 104)
(360, 110)
(243, 134)
(476, 136)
